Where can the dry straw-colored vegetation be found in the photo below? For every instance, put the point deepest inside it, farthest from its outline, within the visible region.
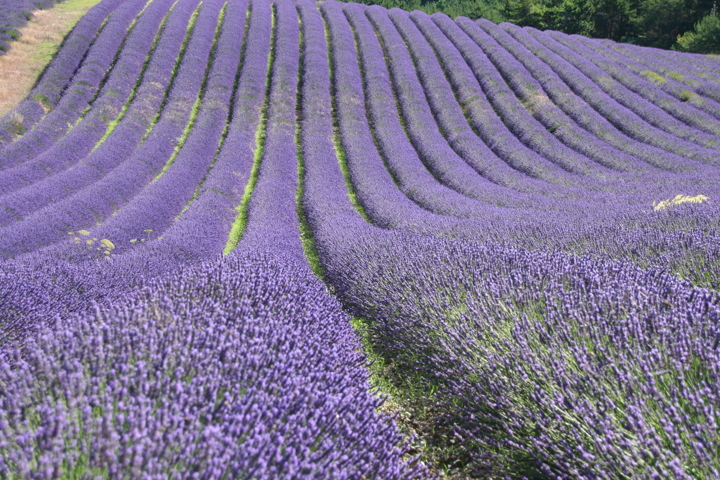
(29, 55)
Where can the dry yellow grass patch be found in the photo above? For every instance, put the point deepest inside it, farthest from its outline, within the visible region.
(41, 37)
(670, 202)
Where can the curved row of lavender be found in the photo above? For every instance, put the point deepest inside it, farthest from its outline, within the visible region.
(523, 221)
(14, 14)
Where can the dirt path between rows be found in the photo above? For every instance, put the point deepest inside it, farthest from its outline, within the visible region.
(41, 37)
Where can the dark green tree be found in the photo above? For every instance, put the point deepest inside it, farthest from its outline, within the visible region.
(659, 22)
(655, 23)
(704, 39)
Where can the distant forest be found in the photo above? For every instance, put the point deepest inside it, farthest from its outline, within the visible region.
(653, 23)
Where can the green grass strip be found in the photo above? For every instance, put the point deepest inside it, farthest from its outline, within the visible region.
(306, 237)
(46, 51)
(116, 58)
(337, 140)
(174, 72)
(238, 226)
(114, 123)
(198, 100)
(233, 99)
(373, 127)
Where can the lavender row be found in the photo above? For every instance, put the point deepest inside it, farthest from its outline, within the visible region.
(618, 114)
(80, 93)
(538, 76)
(540, 61)
(702, 62)
(325, 200)
(155, 207)
(377, 195)
(486, 122)
(114, 151)
(201, 232)
(677, 87)
(272, 223)
(74, 146)
(447, 156)
(420, 114)
(383, 203)
(542, 104)
(58, 74)
(398, 153)
(519, 121)
(589, 158)
(198, 231)
(197, 375)
(14, 15)
(698, 80)
(480, 112)
(686, 113)
(491, 183)
(621, 105)
(365, 169)
(99, 200)
(426, 62)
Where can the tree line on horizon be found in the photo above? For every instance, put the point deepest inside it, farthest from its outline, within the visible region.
(685, 25)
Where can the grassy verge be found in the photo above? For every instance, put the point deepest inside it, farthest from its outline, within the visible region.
(311, 253)
(337, 137)
(112, 124)
(409, 397)
(198, 100)
(64, 15)
(238, 226)
(228, 122)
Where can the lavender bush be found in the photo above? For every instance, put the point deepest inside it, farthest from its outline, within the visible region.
(195, 376)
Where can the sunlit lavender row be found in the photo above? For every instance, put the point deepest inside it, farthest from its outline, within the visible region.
(286, 239)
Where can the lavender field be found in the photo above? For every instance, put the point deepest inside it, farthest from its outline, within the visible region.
(230, 228)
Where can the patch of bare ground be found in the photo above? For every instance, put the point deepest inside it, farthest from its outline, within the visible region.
(28, 56)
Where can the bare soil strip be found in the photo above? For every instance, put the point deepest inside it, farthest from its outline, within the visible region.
(41, 37)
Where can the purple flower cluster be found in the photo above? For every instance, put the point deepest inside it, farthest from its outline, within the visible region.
(526, 224)
(553, 364)
(240, 369)
(272, 221)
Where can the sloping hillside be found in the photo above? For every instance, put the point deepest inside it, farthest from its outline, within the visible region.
(213, 213)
